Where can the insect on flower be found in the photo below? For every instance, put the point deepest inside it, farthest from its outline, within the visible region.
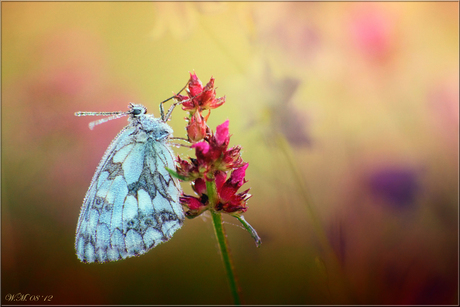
(132, 203)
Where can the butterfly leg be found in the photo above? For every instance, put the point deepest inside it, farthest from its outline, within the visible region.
(180, 139)
(171, 108)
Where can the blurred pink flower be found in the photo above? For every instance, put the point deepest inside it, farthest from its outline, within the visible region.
(372, 30)
(443, 108)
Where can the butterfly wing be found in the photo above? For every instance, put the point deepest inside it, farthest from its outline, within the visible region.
(132, 204)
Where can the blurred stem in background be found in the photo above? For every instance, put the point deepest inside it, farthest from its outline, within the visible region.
(338, 284)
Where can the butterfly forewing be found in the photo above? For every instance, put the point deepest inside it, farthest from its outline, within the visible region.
(132, 204)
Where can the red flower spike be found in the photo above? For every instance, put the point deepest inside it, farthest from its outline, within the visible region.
(213, 159)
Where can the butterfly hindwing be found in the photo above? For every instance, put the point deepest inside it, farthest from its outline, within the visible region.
(132, 204)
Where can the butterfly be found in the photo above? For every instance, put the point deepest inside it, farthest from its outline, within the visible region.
(132, 203)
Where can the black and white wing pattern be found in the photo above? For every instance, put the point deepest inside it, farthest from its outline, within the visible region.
(132, 204)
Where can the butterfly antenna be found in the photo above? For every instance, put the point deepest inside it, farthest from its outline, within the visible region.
(112, 115)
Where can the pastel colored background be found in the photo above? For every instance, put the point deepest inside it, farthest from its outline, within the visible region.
(348, 114)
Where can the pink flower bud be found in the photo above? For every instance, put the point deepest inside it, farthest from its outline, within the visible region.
(196, 129)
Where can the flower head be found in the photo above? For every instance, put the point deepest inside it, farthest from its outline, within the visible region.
(200, 98)
(216, 172)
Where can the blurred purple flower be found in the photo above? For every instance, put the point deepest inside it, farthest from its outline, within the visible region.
(283, 117)
(437, 290)
(290, 121)
(397, 186)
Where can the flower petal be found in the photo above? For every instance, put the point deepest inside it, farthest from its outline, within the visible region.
(222, 133)
(190, 202)
(194, 86)
(199, 186)
(237, 177)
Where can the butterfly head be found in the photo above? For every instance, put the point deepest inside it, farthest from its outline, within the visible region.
(136, 110)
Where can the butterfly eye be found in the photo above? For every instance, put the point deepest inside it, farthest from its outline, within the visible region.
(138, 110)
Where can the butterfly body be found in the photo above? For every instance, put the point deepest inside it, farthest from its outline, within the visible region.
(132, 203)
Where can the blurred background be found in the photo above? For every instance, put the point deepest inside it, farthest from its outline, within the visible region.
(348, 114)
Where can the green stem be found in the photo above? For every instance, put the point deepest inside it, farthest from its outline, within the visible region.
(223, 244)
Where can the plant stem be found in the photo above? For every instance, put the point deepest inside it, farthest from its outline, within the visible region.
(336, 275)
(223, 244)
